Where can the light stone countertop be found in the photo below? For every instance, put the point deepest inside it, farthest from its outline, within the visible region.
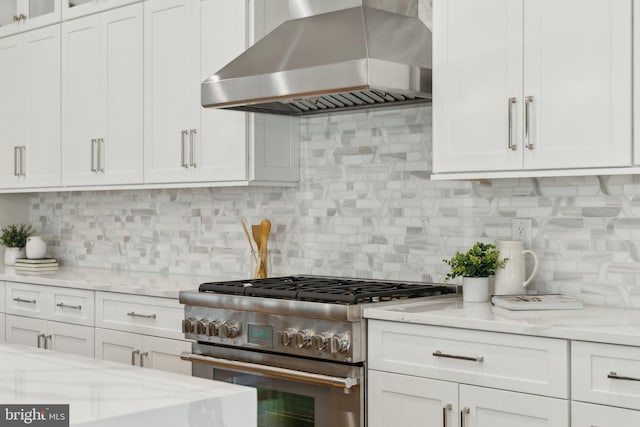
(129, 282)
(598, 324)
(107, 394)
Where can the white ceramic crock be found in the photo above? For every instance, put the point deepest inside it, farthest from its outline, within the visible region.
(11, 254)
(36, 247)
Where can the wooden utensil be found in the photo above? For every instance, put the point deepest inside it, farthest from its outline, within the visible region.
(246, 234)
(265, 230)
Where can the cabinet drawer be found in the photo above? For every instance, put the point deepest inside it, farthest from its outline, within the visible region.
(26, 300)
(72, 306)
(511, 362)
(589, 415)
(605, 373)
(140, 314)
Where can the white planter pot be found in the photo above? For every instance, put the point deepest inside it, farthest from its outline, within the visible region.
(475, 289)
(10, 255)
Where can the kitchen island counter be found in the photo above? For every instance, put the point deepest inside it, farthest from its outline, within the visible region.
(593, 323)
(106, 394)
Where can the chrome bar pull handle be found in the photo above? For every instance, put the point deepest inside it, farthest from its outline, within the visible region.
(614, 376)
(527, 122)
(26, 301)
(445, 413)
(183, 147)
(23, 160)
(512, 102)
(133, 357)
(101, 155)
(22, 17)
(438, 353)
(463, 416)
(47, 337)
(16, 160)
(40, 336)
(144, 316)
(142, 356)
(93, 155)
(192, 148)
(72, 307)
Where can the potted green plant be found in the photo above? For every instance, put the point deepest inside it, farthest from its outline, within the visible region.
(475, 266)
(14, 237)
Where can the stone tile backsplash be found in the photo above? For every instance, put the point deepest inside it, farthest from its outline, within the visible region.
(365, 207)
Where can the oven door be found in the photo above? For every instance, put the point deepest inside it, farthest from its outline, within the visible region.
(292, 391)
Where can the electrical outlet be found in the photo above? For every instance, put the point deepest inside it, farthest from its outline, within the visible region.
(521, 230)
(196, 229)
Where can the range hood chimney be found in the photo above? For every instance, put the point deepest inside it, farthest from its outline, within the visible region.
(334, 55)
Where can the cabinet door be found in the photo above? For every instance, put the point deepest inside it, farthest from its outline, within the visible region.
(221, 146)
(477, 71)
(33, 14)
(577, 69)
(12, 108)
(407, 401)
(42, 108)
(83, 99)
(67, 338)
(122, 52)
(25, 331)
(164, 354)
(116, 346)
(589, 415)
(77, 8)
(484, 407)
(172, 46)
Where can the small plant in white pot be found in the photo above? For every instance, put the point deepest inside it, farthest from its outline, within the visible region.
(475, 266)
(14, 237)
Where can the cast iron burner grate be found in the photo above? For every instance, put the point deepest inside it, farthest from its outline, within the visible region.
(325, 289)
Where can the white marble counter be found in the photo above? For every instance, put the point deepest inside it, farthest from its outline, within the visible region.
(599, 324)
(106, 394)
(130, 282)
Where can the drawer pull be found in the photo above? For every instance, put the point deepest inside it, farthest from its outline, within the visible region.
(144, 316)
(73, 307)
(615, 376)
(438, 353)
(27, 301)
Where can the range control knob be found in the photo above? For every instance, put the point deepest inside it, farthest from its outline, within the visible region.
(201, 326)
(302, 339)
(339, 344)
(214, 328)
(229, 329)
(189, 325)
(285, 338)
(320, 342)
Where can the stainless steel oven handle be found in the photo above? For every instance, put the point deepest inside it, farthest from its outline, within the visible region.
(272, 371)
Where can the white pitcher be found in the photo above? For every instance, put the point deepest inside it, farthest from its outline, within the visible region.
(511, 279)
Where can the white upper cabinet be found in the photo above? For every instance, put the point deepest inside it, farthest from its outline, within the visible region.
(185, 142)
(102, 118)
(30, 109)
(76, 8)
(532, 85)
(23, 15)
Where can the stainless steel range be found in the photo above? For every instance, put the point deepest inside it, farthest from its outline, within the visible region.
(300, 340)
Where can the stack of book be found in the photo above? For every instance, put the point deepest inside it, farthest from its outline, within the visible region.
(36, 266)
(534, 306)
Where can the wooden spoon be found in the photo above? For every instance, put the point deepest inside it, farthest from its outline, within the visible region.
(265, 230)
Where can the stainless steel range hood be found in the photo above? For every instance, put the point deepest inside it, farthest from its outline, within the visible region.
(325, 60)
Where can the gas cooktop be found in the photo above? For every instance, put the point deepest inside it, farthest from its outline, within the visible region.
(333, 290)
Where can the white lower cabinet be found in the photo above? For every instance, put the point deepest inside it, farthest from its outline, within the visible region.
(396, 399)
(63, 337)
(2, 327)
(142, 350)
(422, 375)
